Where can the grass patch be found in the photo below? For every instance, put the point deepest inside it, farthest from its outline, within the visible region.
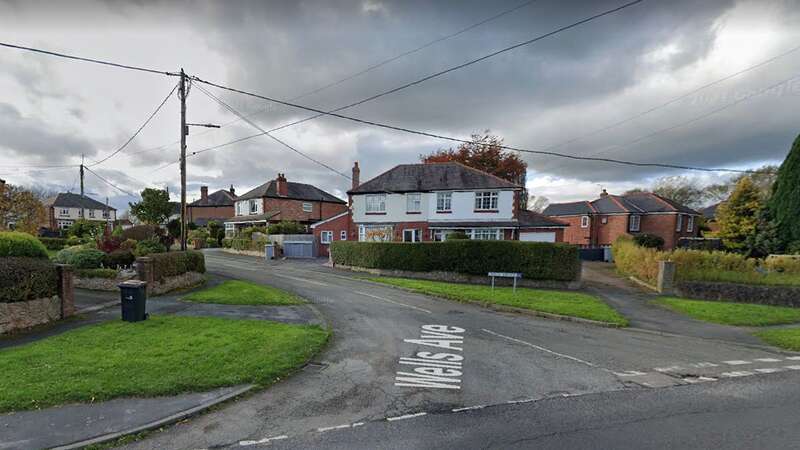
(160, 356)
(740, 314)
(235, 292)
(730, 276)
(788, 338)
(574, 304)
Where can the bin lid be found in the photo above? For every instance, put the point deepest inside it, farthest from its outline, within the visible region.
(132, 284)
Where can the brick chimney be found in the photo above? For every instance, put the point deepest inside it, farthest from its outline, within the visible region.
(204, 193)
(356, 175)
(2, 186)
(282, 187)
(603, 193)
(232, 191)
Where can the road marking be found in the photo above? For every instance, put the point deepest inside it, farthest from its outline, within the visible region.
(630, 373)
(434, 370)
(392, 301)
(546, 350)
(669, 369)
(337, 427)
(468, 408)
(694, 380)
(262, 441)
(768, 360)
(736, 362)
(793, 367)
(771, 370)
(793, 358)
(703, 364)
(743, 373)
(407, 416)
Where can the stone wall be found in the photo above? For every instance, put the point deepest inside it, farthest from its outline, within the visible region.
(741, 293)
(21, 315)
(104, 284)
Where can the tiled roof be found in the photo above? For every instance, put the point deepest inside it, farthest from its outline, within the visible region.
(70, 200)
(710, 212)
(567, 209)
(642, 202)
(531, 219)
(296, 191)
(432, 177)
(222, 197)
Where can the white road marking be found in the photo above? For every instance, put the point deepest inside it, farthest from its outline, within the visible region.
(793, 367)
(703, 364)
(524, 400)
(737, 362)
(743, 373)
(669, 369)
(406, 416)
(793, 358)
(262, 441)
(771, 370)
(468, 408)
(546, 350)
(629, 373)
(695, 380)
(768, 360)
(337, 427)
(392, 301)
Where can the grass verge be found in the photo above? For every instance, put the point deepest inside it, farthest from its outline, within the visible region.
(235, 292)
(574, 304)
(788, 338)
(739, 314)
(161, 356)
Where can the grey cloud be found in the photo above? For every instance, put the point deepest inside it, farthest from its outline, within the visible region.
(35, 140)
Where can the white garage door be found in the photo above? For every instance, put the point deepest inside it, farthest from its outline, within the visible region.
(538, 236)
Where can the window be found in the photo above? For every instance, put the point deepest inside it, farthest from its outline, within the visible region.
(343, 235)
(105, 214)
(254, 206)
(64, 212)
(307, 207)
(584, 221)
(91, 213)
(326, 237)
(64, 224)
(487, 234)
(411, 235)
(444, 201)
(634, 223)
(486, 201)
(413, 203)
(690, 224)
(376, 204)
(679, 223)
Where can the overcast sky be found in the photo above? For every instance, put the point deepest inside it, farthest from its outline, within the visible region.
(537, 96)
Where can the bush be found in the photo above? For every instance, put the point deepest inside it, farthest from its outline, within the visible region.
(85, 229)
(227, 242)
(25, 278)
(128, 244)
(14, 243)
(174, 228)
(457, 236)
(119, 259)
(141, 232)
(649, 240)
(247, 233)
(177, 263)
(245, 244)
(211, 242)
(783, 263)
(200, 233)
(108, 243)
(73, 241)
(52, 243)
(536, 260)
(96, 273)
(149, 246)
(117, 231)
(286, 227)
(631, 259)
(81, 257)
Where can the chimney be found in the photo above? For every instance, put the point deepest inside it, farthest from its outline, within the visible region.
(233, 191)
(2, 186)
(603, 193)
(356, 175)
(282, 187)
(204, 193)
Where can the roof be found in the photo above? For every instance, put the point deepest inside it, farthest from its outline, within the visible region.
(222, 197)
(295, 191)
(70, 200)
(432, 177)
(531, 219)
(710, 212)
(637, 203)
(341, 214)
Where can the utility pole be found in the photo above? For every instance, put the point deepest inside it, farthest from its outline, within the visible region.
(184, 132)
(82, 197)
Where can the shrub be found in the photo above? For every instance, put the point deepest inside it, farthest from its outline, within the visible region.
(174, 228)
(117, 231)
(637, 261)
(227, 242)
(149, 246)
(286, 227)
(211, 242)
(81, 257)
(108, 243)
(14, 243)
(245, 244)
(141, 232)
(247, 233)
(86, 229)
(73, 241)
(52, 243)
(25, 278)
(648, 240)
(783, 263)
(456, 236)
(128, 244)
(536, 260)
(119, 258)
(200, 233)
(96, 273)
(177, 263)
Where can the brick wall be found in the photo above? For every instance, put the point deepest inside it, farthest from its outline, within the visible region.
(574, 234)
(614, 227)
(336, 226)
(293, 209)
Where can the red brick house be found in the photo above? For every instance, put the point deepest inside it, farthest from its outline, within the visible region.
(426, 202)
(600, 222)
(278, 200)
(218, 206)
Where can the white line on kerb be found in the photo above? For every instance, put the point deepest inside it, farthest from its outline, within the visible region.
(407, 416)
(392, 301)
(546, 350)
(262, 441)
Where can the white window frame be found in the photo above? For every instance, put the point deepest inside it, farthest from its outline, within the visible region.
(252, 207)
(307, 207)
(414, 202)
(635, 223)
(584, 221)
(375, 204)
(415, 235)
(486, 200)
(679, 222)
(91, 213)
(106, 214)
(486, 234)
(343, 235)
(690, 223)
(444, 202)
(64, 212)
(325, 237)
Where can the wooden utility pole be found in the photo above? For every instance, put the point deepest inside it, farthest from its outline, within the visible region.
(184, 130)
(82, 197)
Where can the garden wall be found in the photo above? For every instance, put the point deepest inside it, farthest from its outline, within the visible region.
(165, 272)
(741, 293)
(34, 292)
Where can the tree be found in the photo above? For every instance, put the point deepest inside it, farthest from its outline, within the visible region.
(679, 189)
(154, 209)
(765, 240)
(83, 228)
(20, 210)
(537, 203)
(763, 178)
(738, 216)
(485, 153)
(784, 205)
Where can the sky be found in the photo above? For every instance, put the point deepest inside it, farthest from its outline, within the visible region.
(561, 93)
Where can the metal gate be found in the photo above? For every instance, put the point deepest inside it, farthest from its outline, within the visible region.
(592, 254)
(298, 249)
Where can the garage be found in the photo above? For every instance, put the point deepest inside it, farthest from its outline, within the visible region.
(537, 236)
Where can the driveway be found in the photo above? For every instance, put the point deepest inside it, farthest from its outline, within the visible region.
(506, 358)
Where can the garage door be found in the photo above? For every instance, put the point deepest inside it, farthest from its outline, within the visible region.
(538, 236)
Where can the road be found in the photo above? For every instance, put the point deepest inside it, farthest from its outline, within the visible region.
(520, 378)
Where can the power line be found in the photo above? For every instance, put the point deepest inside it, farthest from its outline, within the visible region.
(84, 59)
(107, 182)
(153, 114)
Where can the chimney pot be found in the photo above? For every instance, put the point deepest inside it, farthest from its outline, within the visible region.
(603, 193)
(232, 190)
(204, 193)
(282, 186)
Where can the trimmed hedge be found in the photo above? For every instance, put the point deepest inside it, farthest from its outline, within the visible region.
(24, 278)
(245, 244)
(14, 243)
(119, 258)
(81, 258)
(51, 243)
(96, 273)
(177, 263)
(141, 232)
(536, 260)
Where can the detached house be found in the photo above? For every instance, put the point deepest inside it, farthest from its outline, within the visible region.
(426, 202)
(278, 200)
(600, 222)
(218, 206)
(65, 208)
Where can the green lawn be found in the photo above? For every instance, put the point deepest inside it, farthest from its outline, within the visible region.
(235, 292)
(160, 356)
(740, 314)
(566, 303)
(788, 338)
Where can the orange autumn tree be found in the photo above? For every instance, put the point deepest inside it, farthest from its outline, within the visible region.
(484, 152)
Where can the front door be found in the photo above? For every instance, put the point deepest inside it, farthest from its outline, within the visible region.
(410, 235)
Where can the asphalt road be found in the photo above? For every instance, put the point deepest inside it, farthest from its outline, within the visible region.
(587, 375)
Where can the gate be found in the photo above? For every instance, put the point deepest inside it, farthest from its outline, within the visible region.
(298, 249)
(592, 254)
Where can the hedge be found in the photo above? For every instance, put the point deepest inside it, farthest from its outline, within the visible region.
(81, 258)
(536, 260)
(141, 232)
(51, 243)
(14, 243)
(25, 278)
(177, 263)
(96, 273)
(245, 244)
